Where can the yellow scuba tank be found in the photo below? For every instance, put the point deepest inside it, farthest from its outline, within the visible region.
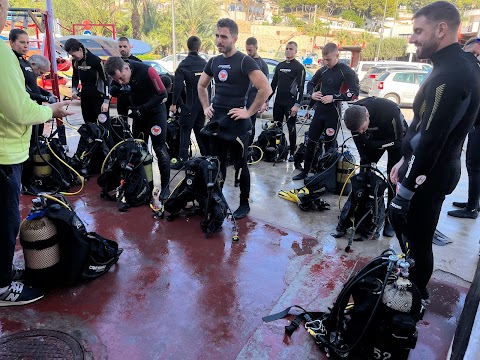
(41, 169)
(345, 165)
(147, 165)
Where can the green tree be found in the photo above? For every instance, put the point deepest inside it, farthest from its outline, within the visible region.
(390, 48)
(352, 16)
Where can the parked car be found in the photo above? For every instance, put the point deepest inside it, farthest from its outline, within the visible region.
(367, 81)
(159, 68)
(167, 61)
(399, 86)
(363, 66)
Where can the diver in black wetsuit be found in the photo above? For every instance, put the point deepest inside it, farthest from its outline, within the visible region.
(191, 112)
(229, 126)
(445, 109)
(147, 94)
(288, 80)
(378, 126)
(469, 209)
(88, 69)
(251, 48)
(331, 84)
(125, 48)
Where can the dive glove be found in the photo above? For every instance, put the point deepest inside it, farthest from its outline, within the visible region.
(135, 113)
(397, 213)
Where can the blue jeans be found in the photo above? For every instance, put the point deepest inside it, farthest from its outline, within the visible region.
(10, 182)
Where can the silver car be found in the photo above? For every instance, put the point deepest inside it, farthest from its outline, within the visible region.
(369, 78)
(399, 86)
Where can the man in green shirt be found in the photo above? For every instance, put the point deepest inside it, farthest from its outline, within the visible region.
(17, 115)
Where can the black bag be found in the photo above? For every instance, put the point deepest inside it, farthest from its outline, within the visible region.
(49, 168)
(173, 137)
(82, 255)
(92, 149)
(365, 206)
(274, 144)
(380, 322)
(202, 186)
(127, 178)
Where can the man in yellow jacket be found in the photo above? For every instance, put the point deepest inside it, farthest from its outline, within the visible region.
(17, 115)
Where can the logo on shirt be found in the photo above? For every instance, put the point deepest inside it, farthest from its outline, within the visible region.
(223, 75)
(156, 130)
(84, 67)
(224, 66)
(28, 68)
(285, 70)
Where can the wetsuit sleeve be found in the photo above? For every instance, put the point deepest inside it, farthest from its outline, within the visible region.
(115, 89)
(392, 129)
(102, 85)
(300, 82)
(314, 81)
(15, 104)
(274, 82)
(160, 91)
(351, 79)
(445, 104)
(248, 65)
(75, 77)
(178, 85)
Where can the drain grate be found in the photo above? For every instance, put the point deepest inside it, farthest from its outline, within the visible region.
(40, 345)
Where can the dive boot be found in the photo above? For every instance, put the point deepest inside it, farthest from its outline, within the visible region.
(242, 211)
(300, 176)
(464, 213)
(462, 205)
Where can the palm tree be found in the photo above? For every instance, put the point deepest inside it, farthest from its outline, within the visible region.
(136, 18)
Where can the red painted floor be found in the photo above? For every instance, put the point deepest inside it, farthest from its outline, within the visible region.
(176, 294)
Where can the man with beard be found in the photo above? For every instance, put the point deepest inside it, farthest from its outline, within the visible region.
(230, 126)
(124, 47)
(445, 109)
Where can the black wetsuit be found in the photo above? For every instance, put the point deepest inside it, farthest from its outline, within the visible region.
(89, 71)
(385, 133)
(445, 109)
(146, 94)
(122, 101)
(341, 82)
(288, 81)
(231, 76)
(473, 166)
(252, 93)
(191, 115)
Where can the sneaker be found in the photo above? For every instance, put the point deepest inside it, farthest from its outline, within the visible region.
(464, 213)
(388, 230)
(291, 158)
(242, 211)
(17, 274)
(20, 294)
(462, 205)
(302, 175)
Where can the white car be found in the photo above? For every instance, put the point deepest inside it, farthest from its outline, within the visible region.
(167, 61)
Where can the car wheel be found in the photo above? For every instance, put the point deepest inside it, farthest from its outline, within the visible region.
(393, 97)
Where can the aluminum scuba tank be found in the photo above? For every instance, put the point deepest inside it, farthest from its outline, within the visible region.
(41, 248)
(41, 169)
(345, 165)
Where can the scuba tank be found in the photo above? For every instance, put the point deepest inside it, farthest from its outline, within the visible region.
(147, 165)
(42, 171)
(41, 248)
(345, 165)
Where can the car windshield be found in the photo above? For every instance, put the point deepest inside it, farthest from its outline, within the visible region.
(383, 76)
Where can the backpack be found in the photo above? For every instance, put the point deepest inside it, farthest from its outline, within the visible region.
(273, 143)
(201, 186)
(364, 210)
(325, 178)
(127, 177)
(57, 248)
(49, 168)
(373, 317)
(92, 149)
